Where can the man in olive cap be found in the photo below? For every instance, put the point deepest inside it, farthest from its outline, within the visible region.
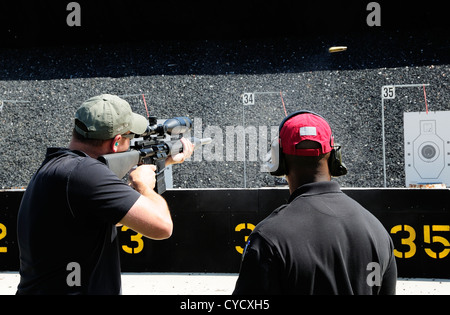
(69, 212)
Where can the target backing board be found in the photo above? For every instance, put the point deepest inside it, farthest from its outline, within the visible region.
(427, 147)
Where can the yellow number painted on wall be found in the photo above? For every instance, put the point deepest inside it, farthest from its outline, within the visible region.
(405, 241)
(3, 249)
(240, 227)
(436, 239)
(134, 238)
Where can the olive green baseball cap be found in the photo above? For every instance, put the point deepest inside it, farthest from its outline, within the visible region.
(105, 116)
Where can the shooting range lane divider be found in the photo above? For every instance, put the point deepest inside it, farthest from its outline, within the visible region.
(211, 227)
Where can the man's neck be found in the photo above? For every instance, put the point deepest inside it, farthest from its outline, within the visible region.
(297, 181)
(92, 151)
(294, 184)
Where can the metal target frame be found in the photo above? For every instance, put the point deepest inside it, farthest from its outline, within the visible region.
(388, 92)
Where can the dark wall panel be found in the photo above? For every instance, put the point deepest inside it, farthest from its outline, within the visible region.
(211, 227)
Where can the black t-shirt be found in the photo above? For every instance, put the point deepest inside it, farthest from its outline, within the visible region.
(66, 226)
(321, 242)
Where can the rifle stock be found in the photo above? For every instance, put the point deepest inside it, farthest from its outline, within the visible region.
(121, 163)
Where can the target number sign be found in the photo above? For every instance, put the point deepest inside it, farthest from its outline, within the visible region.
(248, 99)
(388, 92)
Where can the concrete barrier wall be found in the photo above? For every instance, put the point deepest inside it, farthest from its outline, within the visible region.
(211, 226)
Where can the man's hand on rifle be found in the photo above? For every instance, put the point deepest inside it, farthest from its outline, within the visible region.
(188, 149)
(143, 178)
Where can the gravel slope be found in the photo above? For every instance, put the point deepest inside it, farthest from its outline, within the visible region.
(205, 80)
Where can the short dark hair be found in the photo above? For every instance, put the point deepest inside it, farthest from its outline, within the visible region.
(305, 162)
(92, 142)
(311, 162)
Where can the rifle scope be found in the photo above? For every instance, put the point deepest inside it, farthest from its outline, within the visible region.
(172, 126)
(178, 125)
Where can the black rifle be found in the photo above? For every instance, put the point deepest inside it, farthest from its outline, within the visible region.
(152, 147)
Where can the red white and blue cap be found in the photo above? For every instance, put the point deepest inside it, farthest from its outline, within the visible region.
(305, 126)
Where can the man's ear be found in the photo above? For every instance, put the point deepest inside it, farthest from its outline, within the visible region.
(115, 143)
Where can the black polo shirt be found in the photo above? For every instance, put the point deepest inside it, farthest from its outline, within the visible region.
(66, 226)
(321, 242)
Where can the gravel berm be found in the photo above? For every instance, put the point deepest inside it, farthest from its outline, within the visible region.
(41, 88)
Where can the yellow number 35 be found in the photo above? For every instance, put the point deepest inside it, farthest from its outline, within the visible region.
(427, 229)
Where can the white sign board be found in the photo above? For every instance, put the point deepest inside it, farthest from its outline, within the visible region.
(248, 99)
(427, 147)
